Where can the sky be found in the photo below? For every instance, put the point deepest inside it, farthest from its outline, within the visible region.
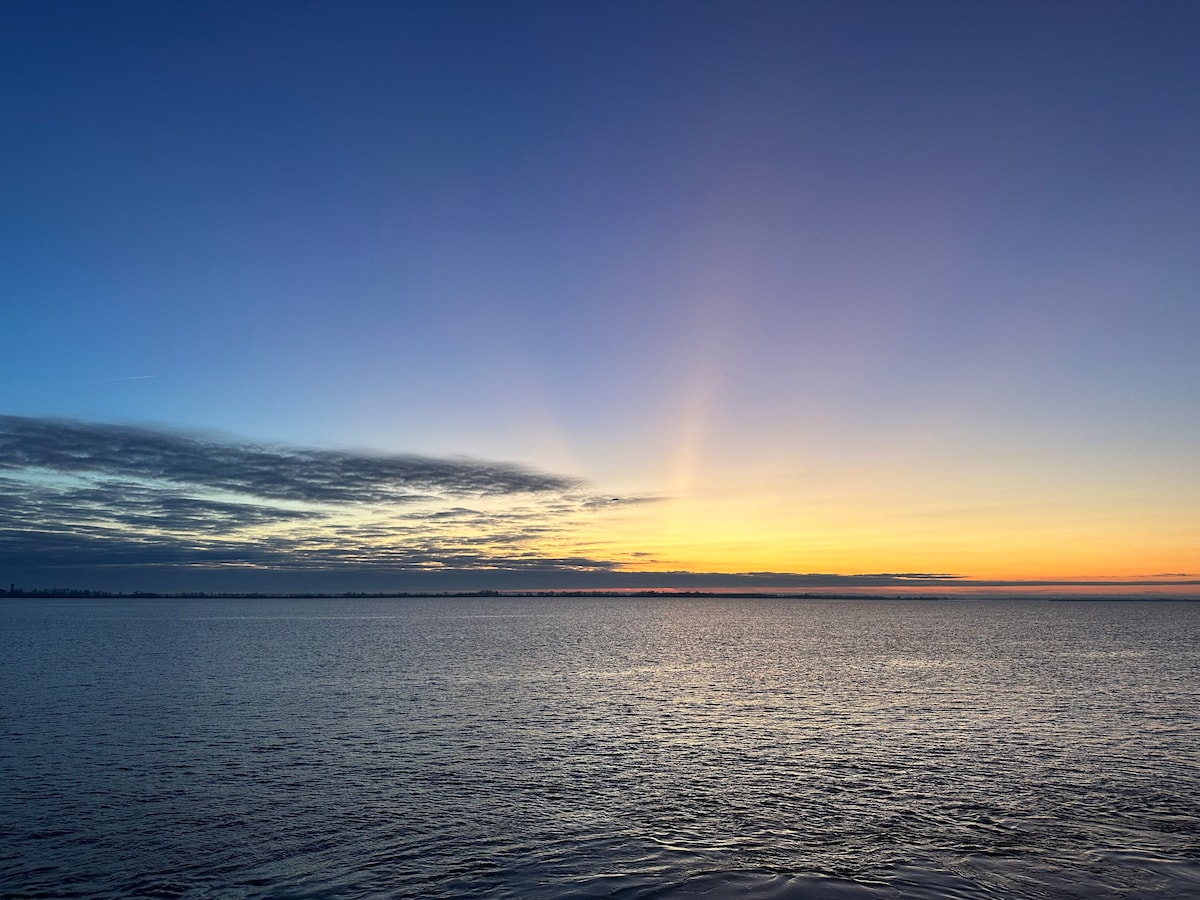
(373, 296)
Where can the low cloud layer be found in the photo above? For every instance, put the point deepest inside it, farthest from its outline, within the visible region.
(90, 499)
(270, 472)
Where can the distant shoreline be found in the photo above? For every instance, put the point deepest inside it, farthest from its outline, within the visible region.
(89, 594)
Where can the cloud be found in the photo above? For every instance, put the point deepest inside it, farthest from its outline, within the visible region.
(95, 498)
(605, 502)
(97, 548)
(135, 505)
(266, 471)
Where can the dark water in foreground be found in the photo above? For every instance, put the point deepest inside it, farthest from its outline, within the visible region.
(599, 747)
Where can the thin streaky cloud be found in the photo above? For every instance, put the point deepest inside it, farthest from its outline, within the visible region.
(84, 497)
(267, 471)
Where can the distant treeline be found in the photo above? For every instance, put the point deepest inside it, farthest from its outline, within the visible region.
(88, 593)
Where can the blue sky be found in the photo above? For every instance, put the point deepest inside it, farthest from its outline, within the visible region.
(834, 288)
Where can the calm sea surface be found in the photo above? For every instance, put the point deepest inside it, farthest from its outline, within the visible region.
(599, 748)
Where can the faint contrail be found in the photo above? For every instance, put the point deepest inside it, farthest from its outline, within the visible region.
(129, 378)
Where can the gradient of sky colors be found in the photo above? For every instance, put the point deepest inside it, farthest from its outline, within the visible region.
(846, 288)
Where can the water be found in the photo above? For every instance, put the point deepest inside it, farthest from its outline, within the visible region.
(599, 747)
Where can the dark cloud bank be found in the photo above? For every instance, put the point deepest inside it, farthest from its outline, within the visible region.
(269, 472)
(123, 507)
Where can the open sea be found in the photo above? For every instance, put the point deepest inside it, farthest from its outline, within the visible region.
(599, 747)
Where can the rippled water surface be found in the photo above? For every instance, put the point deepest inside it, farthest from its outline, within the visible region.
(599, 747)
